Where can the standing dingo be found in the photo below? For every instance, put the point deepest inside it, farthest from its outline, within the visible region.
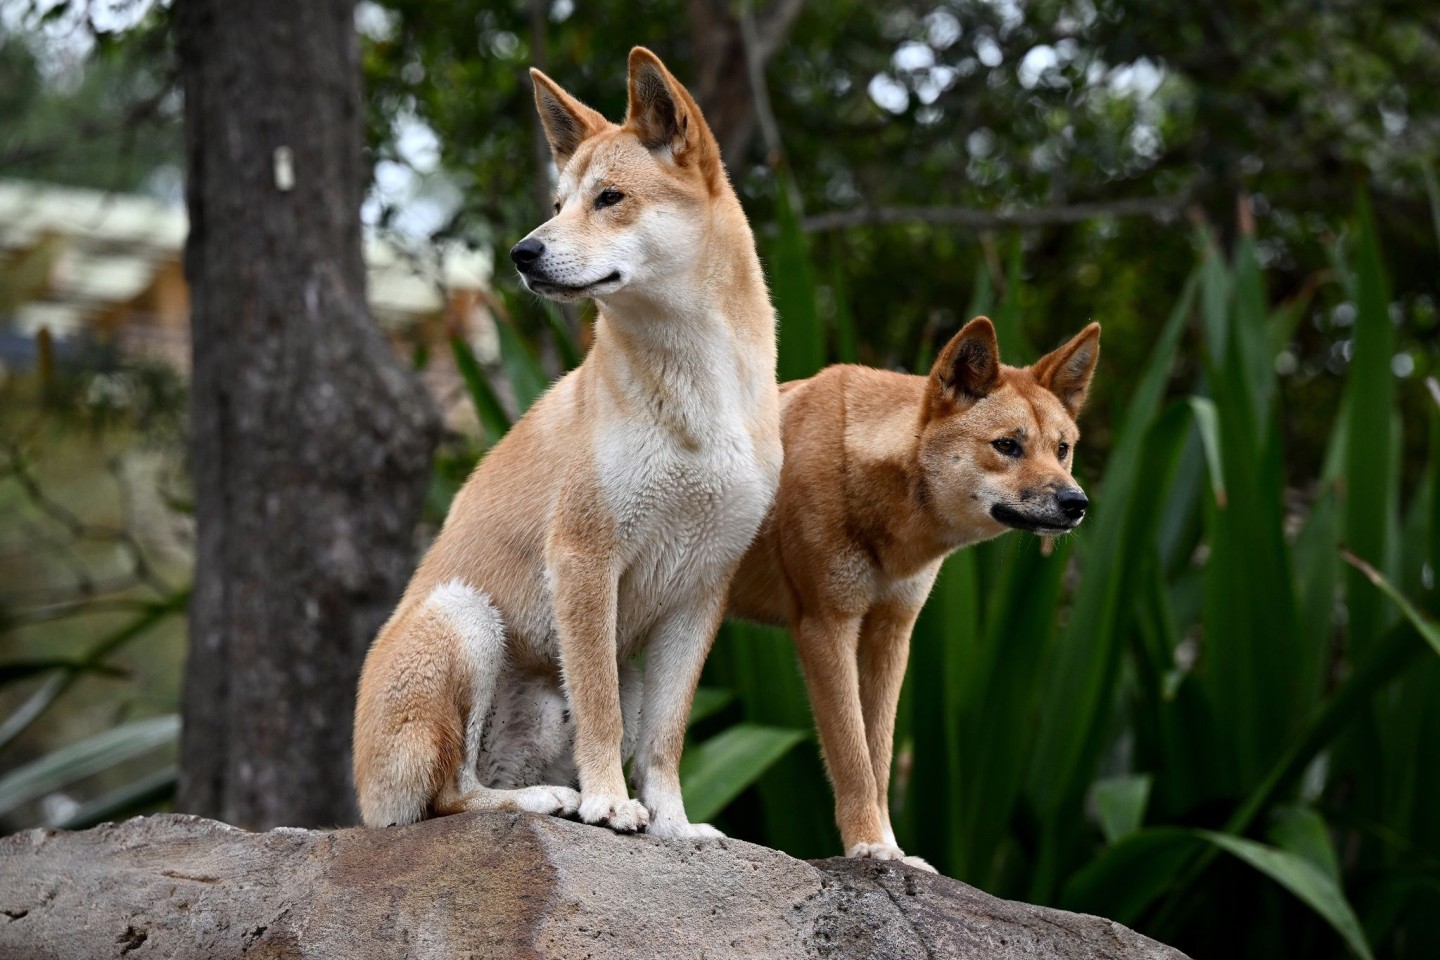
(610, 519)
(885, 475)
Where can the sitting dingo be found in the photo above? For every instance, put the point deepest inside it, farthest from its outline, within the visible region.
(610, 519)
(885, 475)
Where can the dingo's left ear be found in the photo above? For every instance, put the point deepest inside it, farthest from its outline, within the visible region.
(1066, 372)
(567, 121)
(665, 117)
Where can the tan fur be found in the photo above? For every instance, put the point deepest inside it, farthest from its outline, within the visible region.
(609, 521)
(885, 474)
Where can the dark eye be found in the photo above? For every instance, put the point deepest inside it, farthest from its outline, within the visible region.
(557, 208)
(1064, 449)
(608, 198)
(1007, 447)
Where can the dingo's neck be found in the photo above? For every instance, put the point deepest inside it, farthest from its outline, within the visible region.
(697, 348)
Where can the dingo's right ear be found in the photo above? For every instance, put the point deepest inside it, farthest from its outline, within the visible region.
(567, 121)
(969, 366)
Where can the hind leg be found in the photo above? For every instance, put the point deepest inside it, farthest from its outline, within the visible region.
(481, 664)
(511, 734)
(552, 801)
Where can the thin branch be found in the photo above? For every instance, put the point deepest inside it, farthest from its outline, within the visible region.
(65, 609)
(775, 28)
(141, 571)
(977, 219)
(755, 67)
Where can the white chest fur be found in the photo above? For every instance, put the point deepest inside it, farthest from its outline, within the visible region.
(685, 483)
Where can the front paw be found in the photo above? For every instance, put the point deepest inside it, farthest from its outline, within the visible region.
(919, 863)
(617, 813)
(683, 830)
(876, 851)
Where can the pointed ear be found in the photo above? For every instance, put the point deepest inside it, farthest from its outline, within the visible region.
(1066, 372)
(567, 121)
(969, 366)
(665, 117)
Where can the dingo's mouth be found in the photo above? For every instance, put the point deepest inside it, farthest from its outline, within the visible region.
(550, 288)
(1045, 524)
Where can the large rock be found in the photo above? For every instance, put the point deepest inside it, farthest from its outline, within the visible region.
(496, 885)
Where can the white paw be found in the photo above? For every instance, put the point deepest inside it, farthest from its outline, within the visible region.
(553, 801)
(876, 851)
(617, 813)
(919, 863)
(683, 830)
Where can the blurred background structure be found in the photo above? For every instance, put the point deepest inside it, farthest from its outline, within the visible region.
(1194, 716)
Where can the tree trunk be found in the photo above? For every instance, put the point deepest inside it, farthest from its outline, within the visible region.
(722, 80)
(311, 442)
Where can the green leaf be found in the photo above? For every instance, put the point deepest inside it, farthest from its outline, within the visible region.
(1131, 874)
(718, 770)
(760, 665)
(793, 287)
(1370, 481)
(1303, 832)
(89, 756)
(1013, 346)
(25, 669)
(1082, 668)
(1432, 189)
(1302, 878)
(847, 348)
(944, 646)
(709, 701)
(1426, 627)
(36, 704)
(1207, 424)
(1120, 804)
(492, 417)
(134, 797)
(40, 701)
(1374, 670)
(523, 371)
(565, 345)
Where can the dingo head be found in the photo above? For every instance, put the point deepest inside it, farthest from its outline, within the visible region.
(997, 443)
(631, 202)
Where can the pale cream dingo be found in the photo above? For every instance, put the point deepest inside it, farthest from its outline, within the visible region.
(610, 520)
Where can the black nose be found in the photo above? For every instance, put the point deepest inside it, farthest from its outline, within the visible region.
(526, 252)
(1072, 502)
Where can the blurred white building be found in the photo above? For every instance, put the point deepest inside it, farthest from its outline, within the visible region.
(91, 267)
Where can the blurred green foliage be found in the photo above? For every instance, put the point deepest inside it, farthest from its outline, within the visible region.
(982, 105)
(94, 558)
(84, 106)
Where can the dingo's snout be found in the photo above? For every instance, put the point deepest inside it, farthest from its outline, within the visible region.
(1059, 512)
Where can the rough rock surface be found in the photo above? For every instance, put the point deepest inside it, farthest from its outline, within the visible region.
(492, 886)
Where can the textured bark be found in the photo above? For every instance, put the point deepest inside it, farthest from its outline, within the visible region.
(722, 82)
(498, 885)
(311, 442)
